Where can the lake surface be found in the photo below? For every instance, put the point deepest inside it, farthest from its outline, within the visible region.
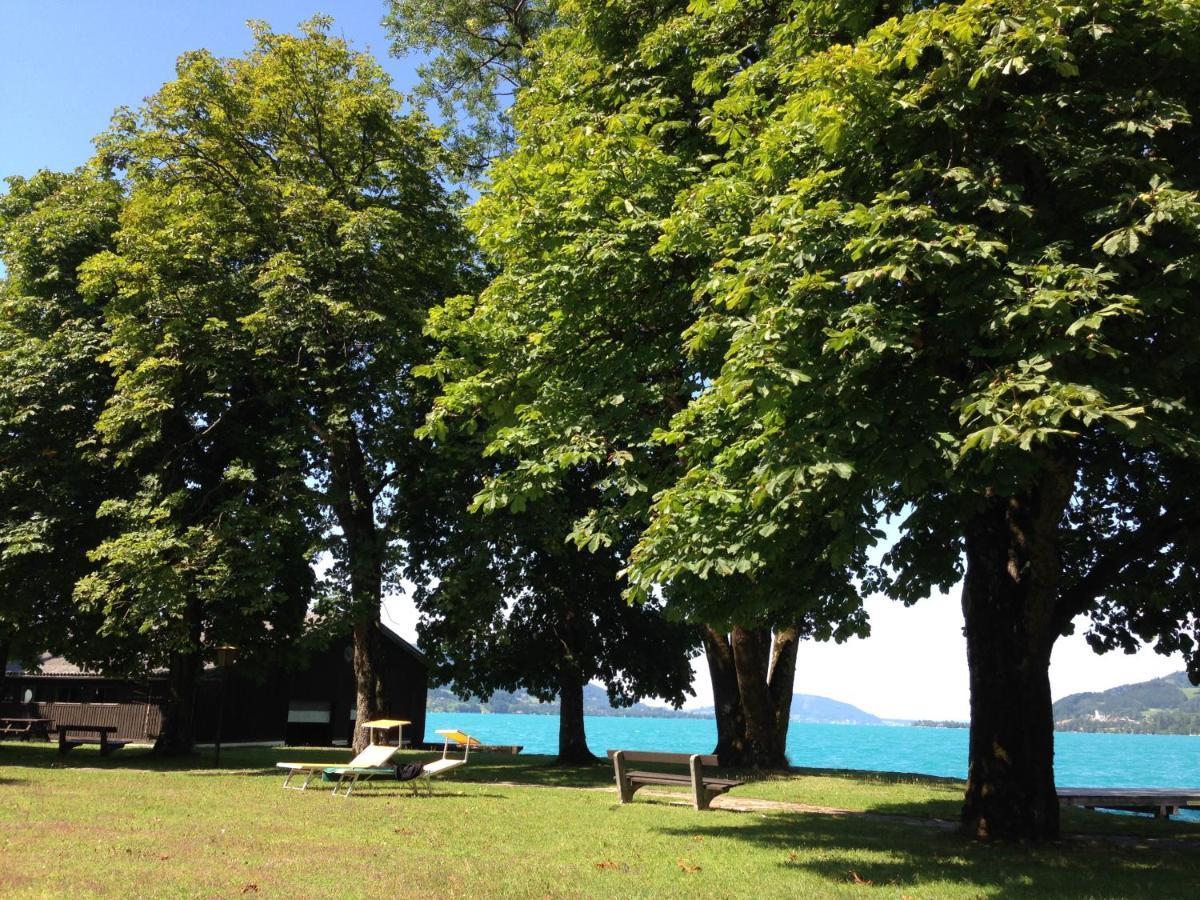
(1081, 760)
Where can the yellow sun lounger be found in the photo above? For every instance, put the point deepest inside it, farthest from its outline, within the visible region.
(429, 771)
(372, 761)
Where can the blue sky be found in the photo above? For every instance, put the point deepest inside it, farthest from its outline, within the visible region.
(65, 66)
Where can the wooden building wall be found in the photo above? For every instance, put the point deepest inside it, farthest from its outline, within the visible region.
(312, 706)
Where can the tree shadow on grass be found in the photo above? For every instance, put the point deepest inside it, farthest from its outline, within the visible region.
(1075, 822)
(536, 770)
(856, 849)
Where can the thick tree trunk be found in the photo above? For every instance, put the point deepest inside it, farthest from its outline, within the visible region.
(365, 545)
(177, 737)
(366, 591)
(727, 702)
(752, 675)
(1008, 600)
(371, 700)
(781, 680)
(751, 657)
(572, 736)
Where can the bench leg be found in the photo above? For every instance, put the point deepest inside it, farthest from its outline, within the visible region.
(624, 788)
(63, 746)
(700, 795)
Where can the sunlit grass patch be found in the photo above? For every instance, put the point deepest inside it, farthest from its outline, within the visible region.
(510, 826)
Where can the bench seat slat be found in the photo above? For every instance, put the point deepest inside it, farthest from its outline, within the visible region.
(724, 784)
(659, 778)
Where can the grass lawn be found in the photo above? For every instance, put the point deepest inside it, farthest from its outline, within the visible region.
(514, 826)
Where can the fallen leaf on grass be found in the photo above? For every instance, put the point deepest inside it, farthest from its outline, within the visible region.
(687, 865)
(607, 864)
(698, 838)
(858, 879)
(249, 888)
(164, 856)
(793, 856)
(405, 831)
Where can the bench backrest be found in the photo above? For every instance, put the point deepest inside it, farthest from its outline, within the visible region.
(669, 759)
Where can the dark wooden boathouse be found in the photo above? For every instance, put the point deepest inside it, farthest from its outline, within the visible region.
(311, 705)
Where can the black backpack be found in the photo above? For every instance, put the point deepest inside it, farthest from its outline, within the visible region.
(408, 771)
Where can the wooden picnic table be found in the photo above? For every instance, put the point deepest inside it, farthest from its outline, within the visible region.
(101, 732)
(25, 727)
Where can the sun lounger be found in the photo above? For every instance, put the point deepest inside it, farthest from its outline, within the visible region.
(372, 761)
(461, 740)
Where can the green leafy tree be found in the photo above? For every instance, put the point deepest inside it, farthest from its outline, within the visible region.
(52, 388)
(208, 541)
(573, 357)
(953, 256)
(478, 58)
(505, 603)
(285, 237)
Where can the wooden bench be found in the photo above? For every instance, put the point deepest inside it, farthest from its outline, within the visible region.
(1162, 802)
(703, 789)
(101, 732)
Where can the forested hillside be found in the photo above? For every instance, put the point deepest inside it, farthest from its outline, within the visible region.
(1168, 705)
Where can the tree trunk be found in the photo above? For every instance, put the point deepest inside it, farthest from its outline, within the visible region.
(1008, 600)
(371, 699)
(572, 736)
(752, 676)
(177, 737)
(727, 702)
(781, 680)
(751, 658)
(365, 551)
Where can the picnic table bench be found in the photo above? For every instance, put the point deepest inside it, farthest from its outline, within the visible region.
(97, 734)
(703, 788)
(27, 728)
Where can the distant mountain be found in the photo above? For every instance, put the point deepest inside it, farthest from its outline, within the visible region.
(805, 707)
(595, 703)
(1169, 705)
(811, 708)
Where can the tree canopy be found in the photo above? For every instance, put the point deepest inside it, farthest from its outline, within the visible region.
(938, 260)
(951, 266)
(285, 233)
(573, 358)
(506, 603)
(478, 55)
(52, 480)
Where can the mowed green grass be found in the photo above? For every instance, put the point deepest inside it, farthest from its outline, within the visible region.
(517, 827)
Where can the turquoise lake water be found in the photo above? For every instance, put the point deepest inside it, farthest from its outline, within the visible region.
(1081, 760)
